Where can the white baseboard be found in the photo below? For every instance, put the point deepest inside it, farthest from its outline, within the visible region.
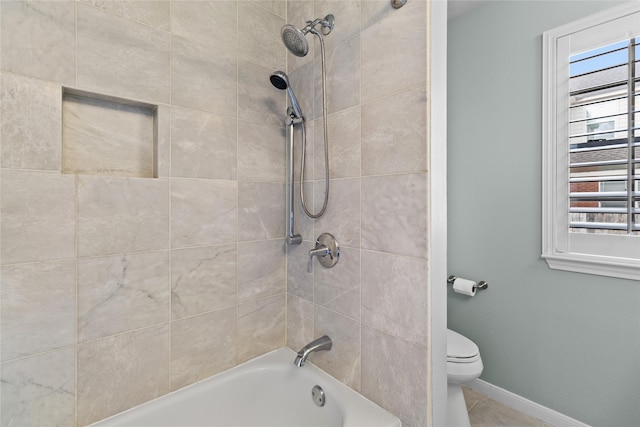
(523, 405)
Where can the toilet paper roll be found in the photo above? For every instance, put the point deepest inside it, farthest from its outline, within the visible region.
(464, 286)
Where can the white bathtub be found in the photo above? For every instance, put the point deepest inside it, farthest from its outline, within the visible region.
(266, 391)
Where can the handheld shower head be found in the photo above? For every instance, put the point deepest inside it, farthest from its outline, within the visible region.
(294, 38)
(280, 80)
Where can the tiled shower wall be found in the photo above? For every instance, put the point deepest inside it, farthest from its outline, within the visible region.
(374, 303)
(119, 289)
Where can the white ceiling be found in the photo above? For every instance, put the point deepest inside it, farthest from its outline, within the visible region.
(459, 7)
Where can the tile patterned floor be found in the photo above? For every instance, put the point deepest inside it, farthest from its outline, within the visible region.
(486, 412)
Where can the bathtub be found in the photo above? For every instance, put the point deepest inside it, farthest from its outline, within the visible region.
(266, 391)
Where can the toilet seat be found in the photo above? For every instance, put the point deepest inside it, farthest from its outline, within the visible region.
(461, 349)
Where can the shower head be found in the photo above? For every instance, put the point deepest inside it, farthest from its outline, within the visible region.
(280, 80)
(294, 38)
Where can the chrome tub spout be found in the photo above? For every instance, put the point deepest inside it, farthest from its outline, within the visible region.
(322, 343)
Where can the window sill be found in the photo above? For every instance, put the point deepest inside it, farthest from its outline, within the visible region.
(591, 264)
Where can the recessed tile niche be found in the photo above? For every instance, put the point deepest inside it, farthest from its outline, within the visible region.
(105, 135)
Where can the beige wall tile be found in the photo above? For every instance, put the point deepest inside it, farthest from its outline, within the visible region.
(202, 346)
(38, 216)
(342, 75)
(279, 7)
(342, 217)
(203, 212)
(119, 215)
(120, 57)
(39, 390)
(343, 360)
(30, 128)
(213, 24)
(203, 279)
(38, 307)
(259, 36)
(304, 225)
(261, 326)
(347, 15)
(261, 269)
(261, 152)
(119, 372)
(202, 81)
(395, 296)
(338, 288)
(344, 145)
(299, 280)
(299, 322)
(394, 214)
(260, 211)
(395, 376)
(258, 100)
(162, 135)
(122, 293)
(303, 84)
(44, 29)
(394, 51)
(394, 131)
(154, 13)
(107, 138)
(203, 145)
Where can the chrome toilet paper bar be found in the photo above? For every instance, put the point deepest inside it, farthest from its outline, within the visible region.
(480, 286)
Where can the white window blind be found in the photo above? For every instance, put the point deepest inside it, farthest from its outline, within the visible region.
(591, 144)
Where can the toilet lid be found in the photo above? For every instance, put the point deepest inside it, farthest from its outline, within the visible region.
(460, 348)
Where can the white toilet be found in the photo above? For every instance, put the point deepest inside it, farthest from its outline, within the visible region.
(463, 365)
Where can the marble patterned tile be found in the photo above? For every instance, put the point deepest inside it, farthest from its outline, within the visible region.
(261, 327)
(260, 211)
(395, 376)
(203, 212)
(342, 217)
(263, 47)
(347, 16)
(203, 279)
(154, 13)
(343, 361)
(395, 296)
(212, 24)
(39, 390)
(120, 215)
(344, 145)
(342, 76)
(302, 80)
(261, 269)
(261, 153)
(119, 372)
(30, 129)
(162, 136)
(279, 7)
(44, 29)
(338, 288)
(258, 100)
(394, 212)
(38, 307)
(203, 145)
(121, 293)
(202, 346)
(107, 138)
(299, 322)
(202, 81)
(120, 57)
(38, 216)
(395, 45)
(299, 280)
(394, 133)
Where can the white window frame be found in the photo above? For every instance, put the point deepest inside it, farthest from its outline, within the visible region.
(601, 254)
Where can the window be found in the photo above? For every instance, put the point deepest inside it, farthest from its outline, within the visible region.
(591, 144)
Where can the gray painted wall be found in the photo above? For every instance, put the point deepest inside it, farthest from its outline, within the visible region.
(568, 341)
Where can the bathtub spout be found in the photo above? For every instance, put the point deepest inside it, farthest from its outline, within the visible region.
(322, 343)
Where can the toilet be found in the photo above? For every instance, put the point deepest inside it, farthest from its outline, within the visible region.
(463, 365)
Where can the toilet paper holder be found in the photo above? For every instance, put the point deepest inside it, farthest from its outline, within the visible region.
(480, 286)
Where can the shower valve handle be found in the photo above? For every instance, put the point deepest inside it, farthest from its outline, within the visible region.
(327, 251)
